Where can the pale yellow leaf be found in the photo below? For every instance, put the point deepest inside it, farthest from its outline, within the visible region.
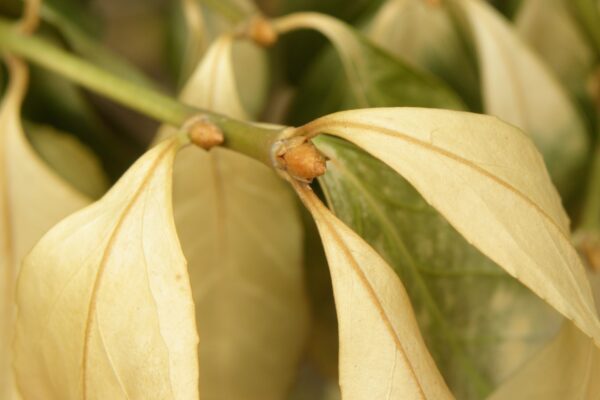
(549, 27)
(104, 300)
(520, 89)
(382, 353)
(397, 26)
(489, 181)
(241, 234)
(213, 85)
(251, 69)
(567, 368)
(32, 199)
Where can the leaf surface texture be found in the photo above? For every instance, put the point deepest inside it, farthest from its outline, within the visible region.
(382, 353)
(241, 234)
(105, 306)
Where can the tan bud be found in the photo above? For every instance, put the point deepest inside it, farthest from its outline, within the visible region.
(303, 161)
(205, 134)
(261, 32)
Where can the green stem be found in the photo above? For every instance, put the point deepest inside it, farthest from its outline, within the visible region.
(243, 137)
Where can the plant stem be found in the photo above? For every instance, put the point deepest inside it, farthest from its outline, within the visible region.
(243, 137)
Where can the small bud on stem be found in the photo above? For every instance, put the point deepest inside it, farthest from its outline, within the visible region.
(300, 159)
(261, 32)
(205, 134)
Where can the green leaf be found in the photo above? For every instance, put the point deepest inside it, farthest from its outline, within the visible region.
(88, 47)
(303, 48)
(479, 323)
(69, 158)
(342, 9)
(53, 100)
(423, 35)
(508, 7)
(77, 12)
(372, 77)
(322, 348)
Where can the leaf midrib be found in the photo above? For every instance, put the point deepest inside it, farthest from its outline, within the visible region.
(320, 125)
(104, 260)
(310, 197)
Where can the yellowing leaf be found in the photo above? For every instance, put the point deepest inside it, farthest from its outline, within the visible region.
(518, 88)
(212, 85)
(382, 353)
(567, 368)
(105, 306)
(489, 181)
(241, 234)
(32, 199)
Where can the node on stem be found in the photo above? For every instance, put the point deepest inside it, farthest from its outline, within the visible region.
(261, 32)
(299, 157)
(204, 133)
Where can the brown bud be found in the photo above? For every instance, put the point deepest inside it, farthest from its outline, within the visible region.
(261, 32)
(304, 162)
(205, 134)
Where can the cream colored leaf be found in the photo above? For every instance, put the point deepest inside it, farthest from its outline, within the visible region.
(567, 368)
(213, 85)
(549, 28)
(32, 199)
(518, 88)
(489, 181)
(241, 234)
(250, 64)
(397, 26)
(198, 23)
(105, 306)
(382, 353)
